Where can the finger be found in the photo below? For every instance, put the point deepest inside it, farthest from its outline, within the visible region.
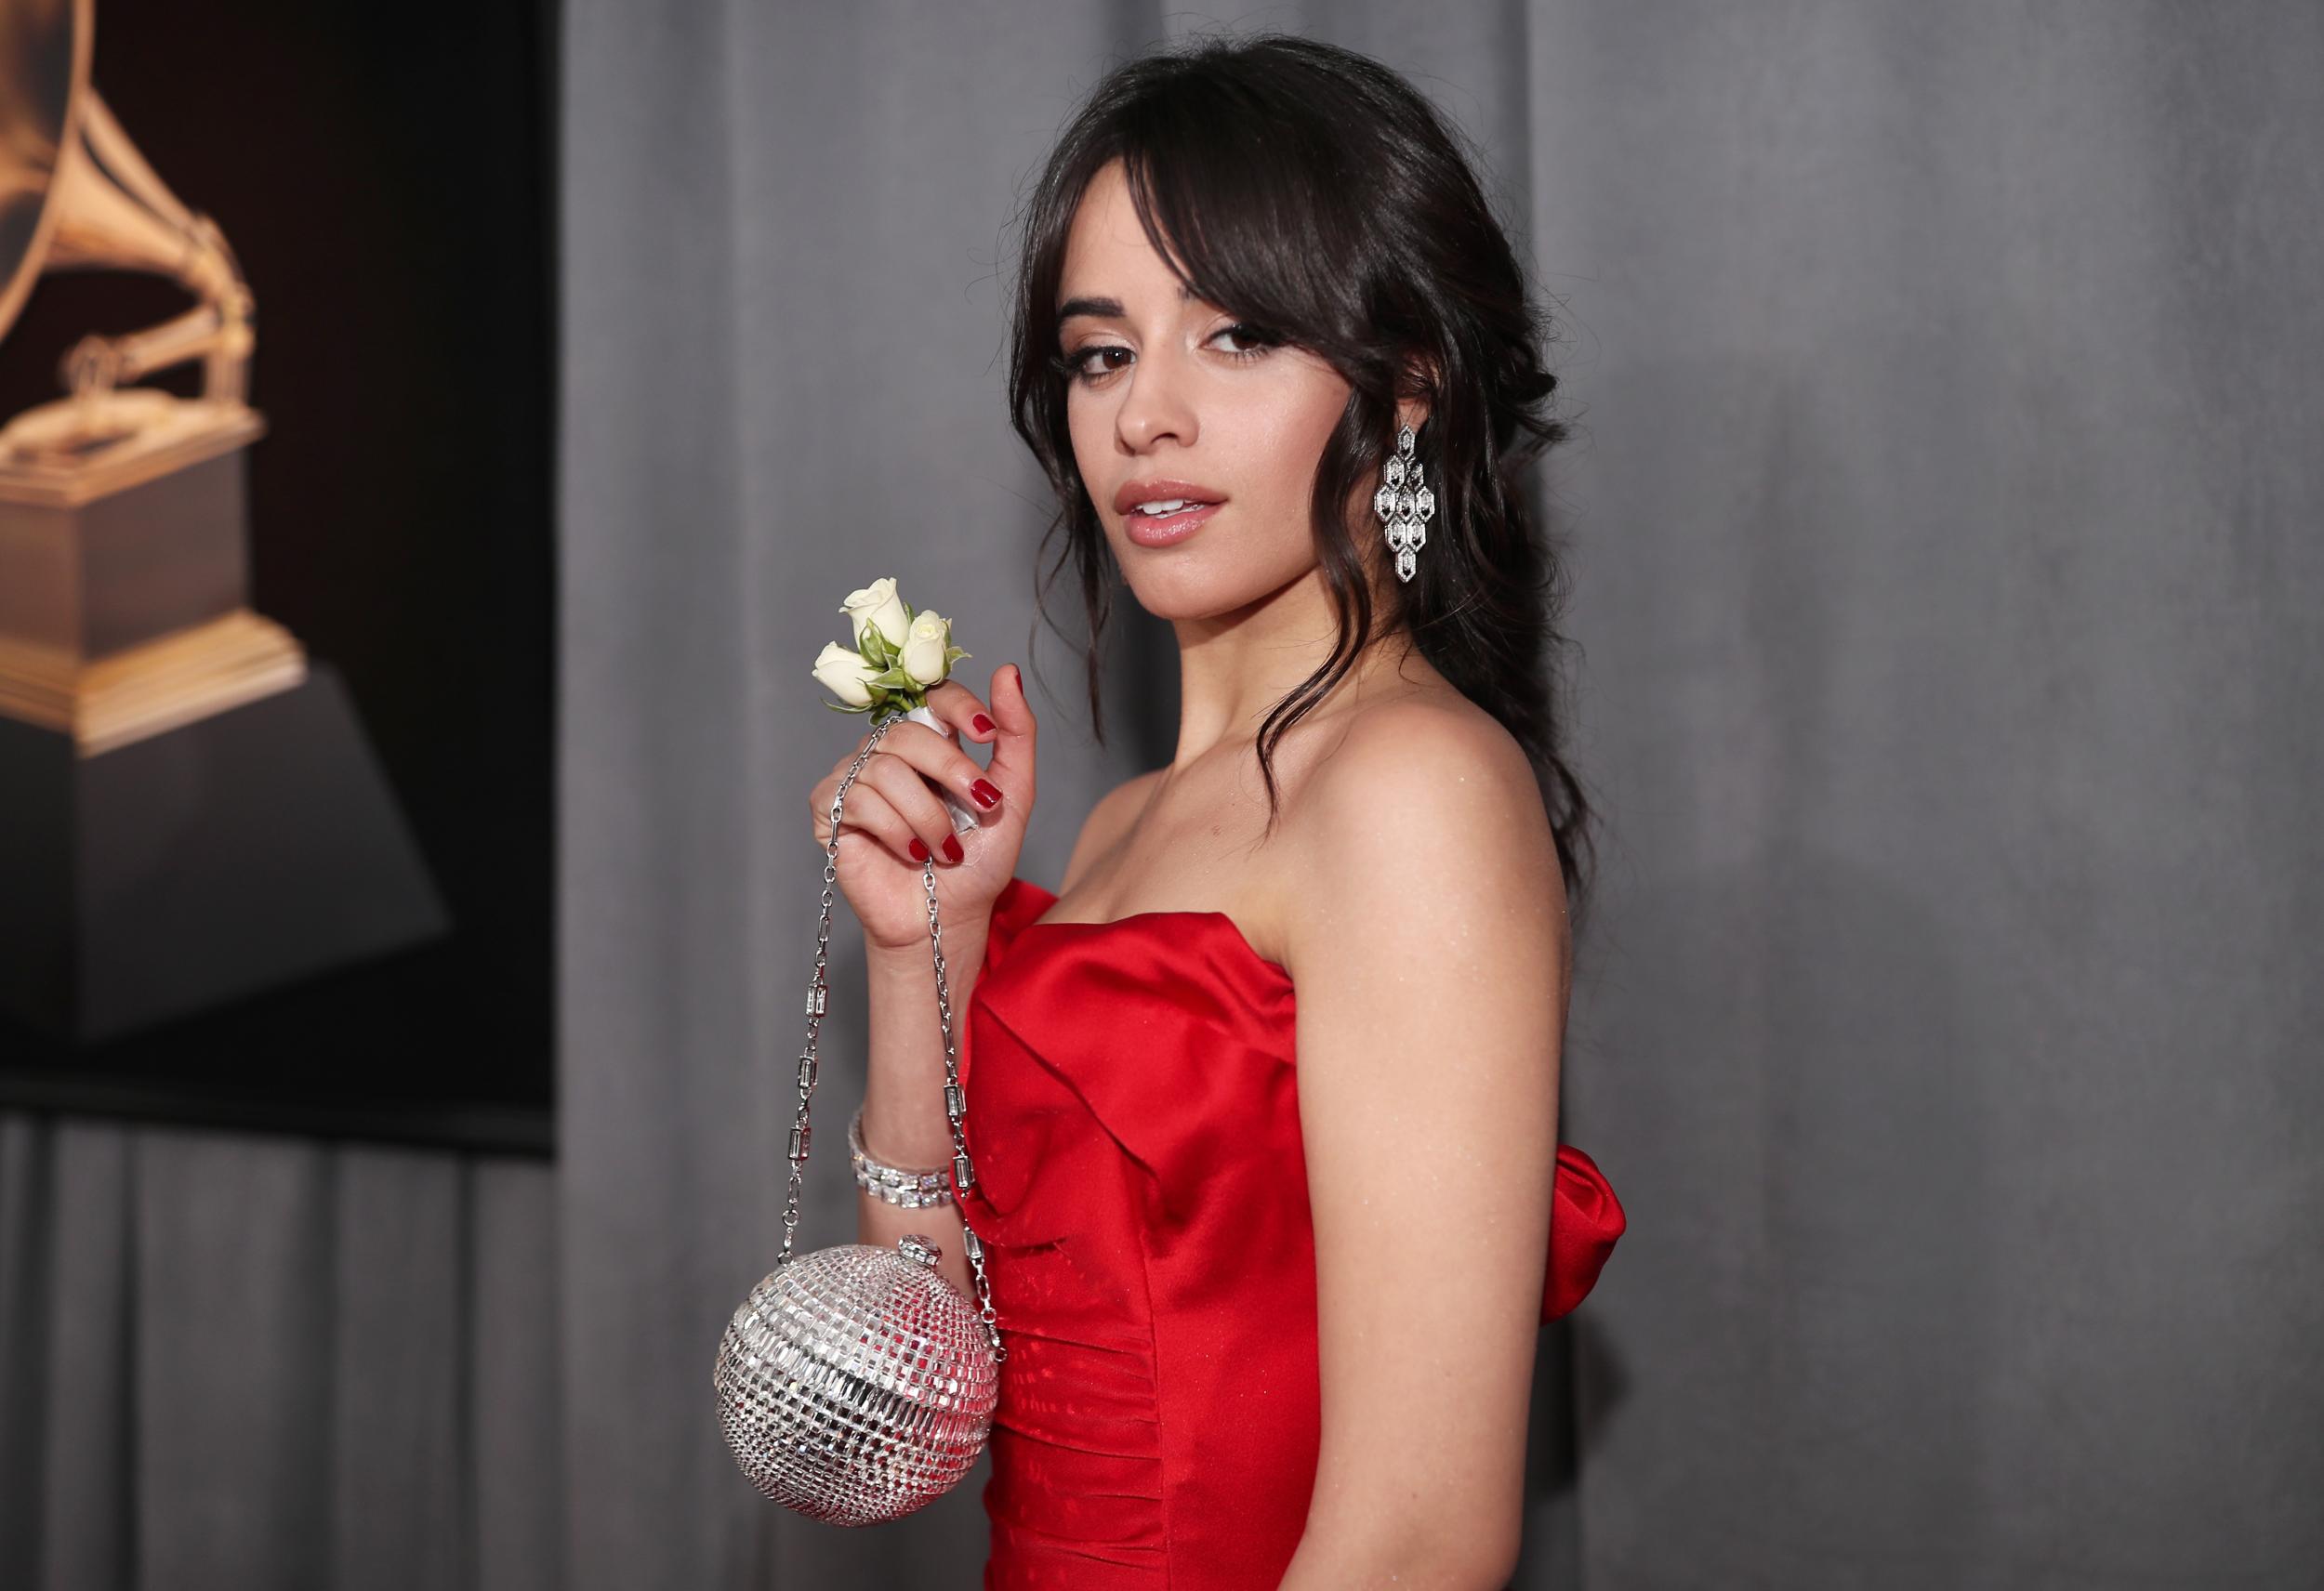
(942, 762)
(918, 807)
(819, 808)
(1017, 737)
(867, 813)
(963, 709)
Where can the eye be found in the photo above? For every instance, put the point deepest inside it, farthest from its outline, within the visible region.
(1089, 364)
(1257, 337)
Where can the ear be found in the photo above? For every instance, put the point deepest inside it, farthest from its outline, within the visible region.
(1416, 392)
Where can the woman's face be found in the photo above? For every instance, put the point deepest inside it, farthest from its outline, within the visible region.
(1170, 401)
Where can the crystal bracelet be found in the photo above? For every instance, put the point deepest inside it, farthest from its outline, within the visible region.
(894, 1184)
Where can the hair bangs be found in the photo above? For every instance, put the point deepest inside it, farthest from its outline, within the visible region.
(1259, 237)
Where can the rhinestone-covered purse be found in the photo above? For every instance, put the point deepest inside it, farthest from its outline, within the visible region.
(857, 1384)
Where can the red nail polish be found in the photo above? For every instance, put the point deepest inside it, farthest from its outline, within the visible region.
(986, 791)
(982, 723)
(920, 851)
(952, 847)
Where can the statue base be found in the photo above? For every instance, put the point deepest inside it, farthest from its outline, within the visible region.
(233, 854)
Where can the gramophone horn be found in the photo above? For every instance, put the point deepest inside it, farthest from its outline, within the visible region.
(113, 213)
(43, 70)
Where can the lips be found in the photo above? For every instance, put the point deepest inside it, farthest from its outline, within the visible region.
(1194, 502)
(1161, 529)
(1163, 490)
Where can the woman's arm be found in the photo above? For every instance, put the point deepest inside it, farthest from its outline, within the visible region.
(903, 1089)
(1428, 947)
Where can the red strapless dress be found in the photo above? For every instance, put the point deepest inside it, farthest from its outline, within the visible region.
(1142, 1196)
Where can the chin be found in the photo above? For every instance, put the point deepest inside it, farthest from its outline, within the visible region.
(1195, 592)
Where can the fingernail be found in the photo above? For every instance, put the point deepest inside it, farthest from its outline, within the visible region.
(983, 725)
(952, 847)
(986, 791)
(920, 851)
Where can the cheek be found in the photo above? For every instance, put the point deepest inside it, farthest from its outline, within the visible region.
(1283, 435)
(1089, 429)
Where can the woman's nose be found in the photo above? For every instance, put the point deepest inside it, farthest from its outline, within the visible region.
(1155, 406)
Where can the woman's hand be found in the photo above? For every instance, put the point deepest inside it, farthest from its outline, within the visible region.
(892, 806)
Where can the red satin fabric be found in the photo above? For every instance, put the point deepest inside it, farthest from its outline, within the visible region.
(1141, 1194)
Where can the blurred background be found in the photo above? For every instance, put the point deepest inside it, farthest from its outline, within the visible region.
(437, 444)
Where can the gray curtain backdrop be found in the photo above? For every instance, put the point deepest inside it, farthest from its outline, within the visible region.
(232, 1362)
(1946, 533)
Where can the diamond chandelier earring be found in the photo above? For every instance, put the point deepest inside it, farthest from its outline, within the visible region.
(1403, 504)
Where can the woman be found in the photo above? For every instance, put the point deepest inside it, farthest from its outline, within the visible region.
(1259, 1333)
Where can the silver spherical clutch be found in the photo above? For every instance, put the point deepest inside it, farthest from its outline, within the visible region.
(857, 1384)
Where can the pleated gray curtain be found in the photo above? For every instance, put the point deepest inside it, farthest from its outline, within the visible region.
(1952, 577)
(235, 1362)
(1945, 536)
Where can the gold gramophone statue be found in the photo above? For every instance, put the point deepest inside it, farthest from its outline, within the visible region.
(188, 811)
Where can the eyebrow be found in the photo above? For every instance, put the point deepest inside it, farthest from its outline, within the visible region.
(1107, 308)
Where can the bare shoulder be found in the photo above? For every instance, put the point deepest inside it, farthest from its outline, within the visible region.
(1419, 758)
(1108, 820)
(1426, 808)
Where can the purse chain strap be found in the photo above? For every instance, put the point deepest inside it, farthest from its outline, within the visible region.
(955, 1098)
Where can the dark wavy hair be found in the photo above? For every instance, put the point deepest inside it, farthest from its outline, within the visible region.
(1316, 193)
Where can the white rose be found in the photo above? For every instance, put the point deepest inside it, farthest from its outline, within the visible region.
(842, 671)
(876, 604)
(924, 648)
